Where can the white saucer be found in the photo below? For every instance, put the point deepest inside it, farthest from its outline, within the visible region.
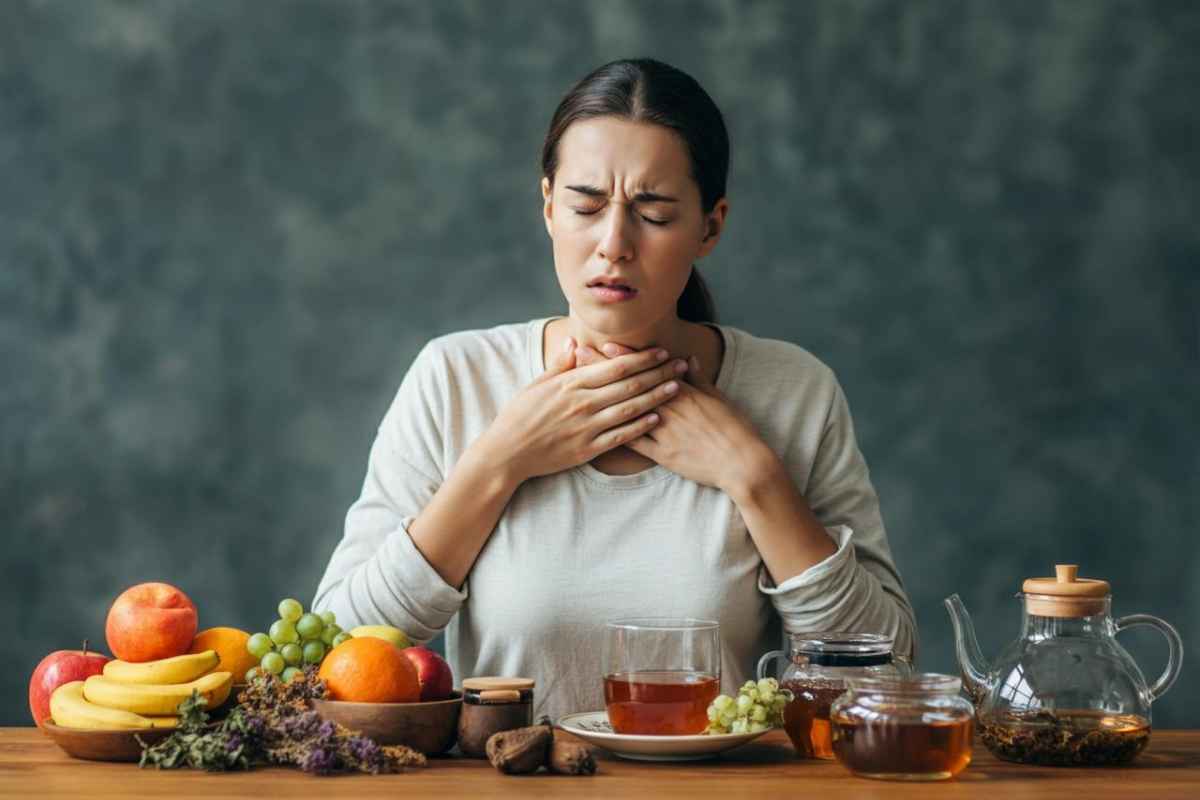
(593, 728)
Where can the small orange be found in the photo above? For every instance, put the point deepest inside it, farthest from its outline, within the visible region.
(370, 670)
(230, 644)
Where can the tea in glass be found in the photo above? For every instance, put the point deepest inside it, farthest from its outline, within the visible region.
(660, 702)
(661, 674)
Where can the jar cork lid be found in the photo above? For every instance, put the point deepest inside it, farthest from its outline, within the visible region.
(492, 684)
(1066, 594)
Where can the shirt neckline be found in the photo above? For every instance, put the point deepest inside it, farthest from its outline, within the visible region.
(537, 365)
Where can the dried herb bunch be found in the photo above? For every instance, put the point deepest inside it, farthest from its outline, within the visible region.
(274, 724)
(1070, 739)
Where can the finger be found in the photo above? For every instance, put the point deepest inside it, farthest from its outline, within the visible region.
(612, 349)
(623, 434)
(561, 362)
(644, 445)
(635, 385)
(585, 355)
(641, 403)
(594, 376)
(695, 376)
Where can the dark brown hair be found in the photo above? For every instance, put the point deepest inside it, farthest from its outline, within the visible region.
(645, 90)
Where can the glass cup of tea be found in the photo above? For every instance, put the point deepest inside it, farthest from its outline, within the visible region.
(660, 674)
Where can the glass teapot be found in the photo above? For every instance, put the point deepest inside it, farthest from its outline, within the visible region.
(1065, 692)
(819, 664)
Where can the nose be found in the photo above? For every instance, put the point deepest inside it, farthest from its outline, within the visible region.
(616, 242)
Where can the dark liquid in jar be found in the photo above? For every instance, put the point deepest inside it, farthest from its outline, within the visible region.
(661, 703)
(806, 717)
(890, 748)
(1065, 737)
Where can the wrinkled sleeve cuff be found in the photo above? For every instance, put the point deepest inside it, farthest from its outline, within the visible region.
(820, 576)
(415, 586)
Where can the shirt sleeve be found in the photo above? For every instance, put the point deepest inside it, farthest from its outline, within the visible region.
(376, 575)
(858, 588)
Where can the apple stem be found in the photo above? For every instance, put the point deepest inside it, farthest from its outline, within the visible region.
(85, 644)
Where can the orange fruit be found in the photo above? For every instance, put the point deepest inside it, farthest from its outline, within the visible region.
(370, 670)
(230, 644)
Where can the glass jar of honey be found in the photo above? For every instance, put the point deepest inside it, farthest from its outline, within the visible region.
(916, 728)
(819, 664)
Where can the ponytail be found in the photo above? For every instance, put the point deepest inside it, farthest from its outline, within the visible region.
(695, 304)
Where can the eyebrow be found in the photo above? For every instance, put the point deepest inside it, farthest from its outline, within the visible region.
(640, 197)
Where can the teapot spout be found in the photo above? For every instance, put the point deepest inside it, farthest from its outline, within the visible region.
(971, 663)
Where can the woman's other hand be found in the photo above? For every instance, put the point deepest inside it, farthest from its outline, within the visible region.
(573, 413)
(701, 436)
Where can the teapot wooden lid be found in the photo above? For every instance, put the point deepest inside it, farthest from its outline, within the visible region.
(1066, 594)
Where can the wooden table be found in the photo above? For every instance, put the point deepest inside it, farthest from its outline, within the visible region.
(32, 767)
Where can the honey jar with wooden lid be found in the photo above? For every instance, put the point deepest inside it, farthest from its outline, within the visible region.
(491, 705)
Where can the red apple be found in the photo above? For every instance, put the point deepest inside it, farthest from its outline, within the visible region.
(432, 671)
(150, 621)
(61, 666)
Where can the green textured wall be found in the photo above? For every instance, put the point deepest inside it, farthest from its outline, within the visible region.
(226, 228)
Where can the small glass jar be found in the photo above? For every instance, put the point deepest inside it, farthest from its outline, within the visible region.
(911, 729)
(491, 705)
(819, 665)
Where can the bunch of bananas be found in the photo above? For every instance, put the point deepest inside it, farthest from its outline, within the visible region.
(129, 696)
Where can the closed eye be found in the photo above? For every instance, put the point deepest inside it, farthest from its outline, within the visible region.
(583, 212)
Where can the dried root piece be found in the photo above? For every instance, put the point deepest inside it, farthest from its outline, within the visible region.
(521, 750)
(570, 758)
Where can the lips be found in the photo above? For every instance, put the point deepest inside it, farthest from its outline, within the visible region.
(611, 283)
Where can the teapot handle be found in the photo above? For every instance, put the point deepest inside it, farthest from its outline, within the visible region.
(765, 660)
(1174, 643)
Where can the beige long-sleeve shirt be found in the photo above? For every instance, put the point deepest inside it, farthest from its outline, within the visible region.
(580, 547)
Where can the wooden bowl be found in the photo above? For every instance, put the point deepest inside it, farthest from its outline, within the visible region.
(103, 745)
(430, 727)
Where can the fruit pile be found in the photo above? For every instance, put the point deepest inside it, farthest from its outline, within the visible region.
(160, 661)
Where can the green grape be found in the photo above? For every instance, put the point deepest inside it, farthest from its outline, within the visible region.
(284, 632)
(309, 626)
(251, 674)
(272, 663)
(331, 630)
(259, 645)
(291, 654)
(744, 703)
(723, 702)
(768, 686)
(328, 617)
(341, 637)
(757, 727)
(290, 673)
(290, 609)
(314, 652)
(758, 714)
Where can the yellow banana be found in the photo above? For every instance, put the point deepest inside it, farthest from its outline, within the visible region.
(69, 709)
(156, 698)
(180, 669)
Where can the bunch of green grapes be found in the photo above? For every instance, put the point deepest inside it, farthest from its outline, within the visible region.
(295, 639)
(758, 707)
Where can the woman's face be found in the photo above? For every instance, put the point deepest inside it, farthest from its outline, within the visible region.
(625, 219)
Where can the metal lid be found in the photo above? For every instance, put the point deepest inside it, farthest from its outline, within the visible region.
(1066, 594)
(496, 683)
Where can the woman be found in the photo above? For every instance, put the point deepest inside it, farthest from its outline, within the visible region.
(633, 458)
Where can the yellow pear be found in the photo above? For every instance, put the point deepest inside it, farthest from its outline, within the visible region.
(385, 632)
